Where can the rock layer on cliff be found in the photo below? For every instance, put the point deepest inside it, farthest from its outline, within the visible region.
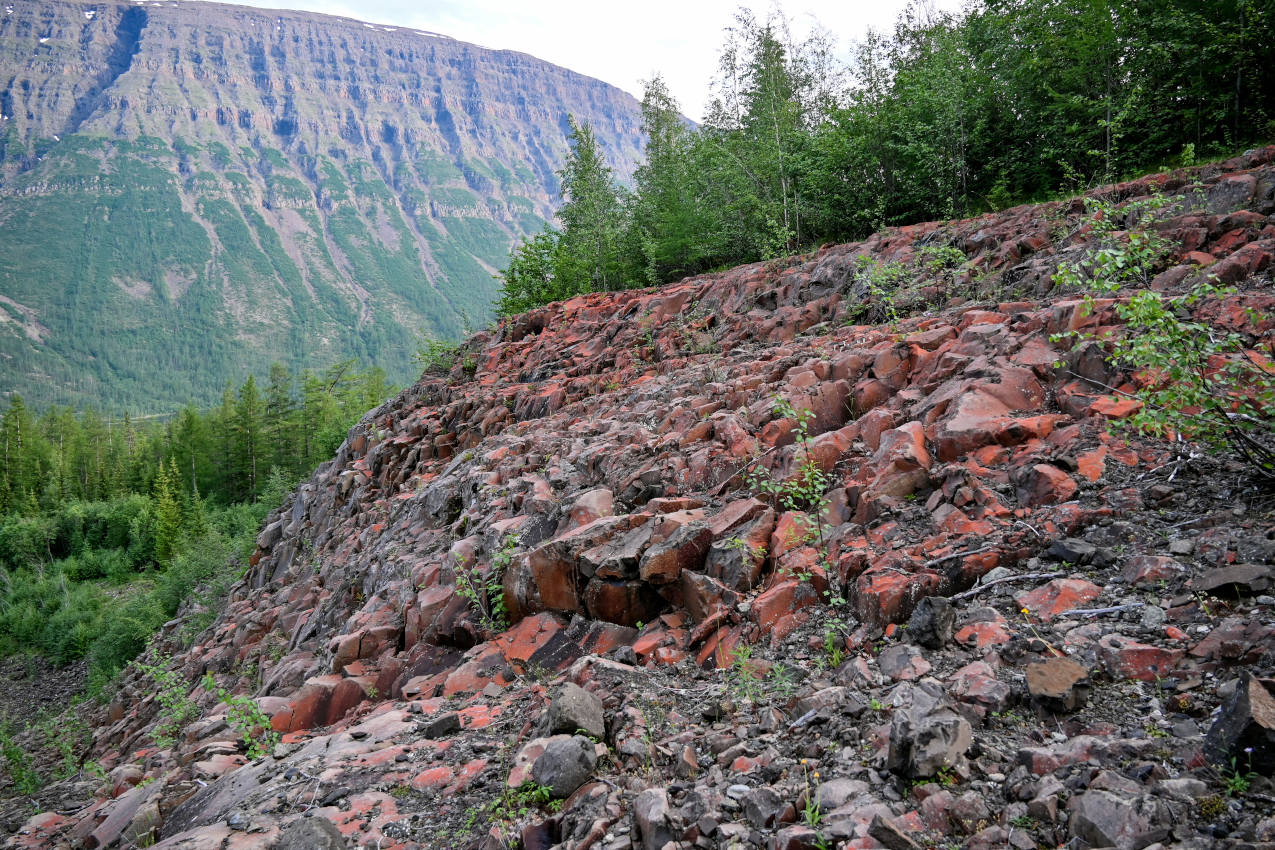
(192, 190)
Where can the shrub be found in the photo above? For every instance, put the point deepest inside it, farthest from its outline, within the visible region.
(247, 719)
(73, 625)
(1122, 257)
(434, 356)
(878, 288)
(805, 489)
(206, 560)
(25, 541)
(176, 708)
(1202, 382)
(1198, 380)
(123, 635)
(17, 763)
(483, 590)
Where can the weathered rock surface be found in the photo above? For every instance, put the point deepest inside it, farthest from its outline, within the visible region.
(902, 660)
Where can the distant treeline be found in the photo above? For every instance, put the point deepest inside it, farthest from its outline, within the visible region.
(107, 525)
(224, 454)
(1012, 101)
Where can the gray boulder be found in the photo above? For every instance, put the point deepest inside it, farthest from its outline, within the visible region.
(576, 710)
(565, 765)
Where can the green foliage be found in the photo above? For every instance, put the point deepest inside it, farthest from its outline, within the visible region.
(434, 356)
(805, 489)
(879, 287)
(811, 812)
(1196, 379)
(18, 763)
(246, 718)
(1211, 807)
(530, 279)
(104, 533)
(1122, 257)
(586, 254)
(947, 115)
(832, 646)
(69, 735)
(743, 678)
(483, 589)
(1237, 781)
(515, 804)
(176, 708)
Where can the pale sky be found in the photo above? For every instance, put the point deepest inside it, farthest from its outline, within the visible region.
(620, 43)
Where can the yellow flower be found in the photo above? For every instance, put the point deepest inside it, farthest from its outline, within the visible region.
(1025, 611)
(803, 761)
(816, 774)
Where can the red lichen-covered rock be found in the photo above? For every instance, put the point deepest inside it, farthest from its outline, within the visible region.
(990, 630)
(780, 600)
(685, 549)
(589, 506)
(1057, 597)
(1125, 658)
(1153, 569)
(1044, 484)
(976, 684)
(1234, 640)
(885, 595)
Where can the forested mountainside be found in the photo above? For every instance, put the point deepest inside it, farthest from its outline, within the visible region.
(192, 191)
(894, 544)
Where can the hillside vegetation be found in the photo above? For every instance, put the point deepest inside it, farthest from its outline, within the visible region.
(949, 115)
(108, 525)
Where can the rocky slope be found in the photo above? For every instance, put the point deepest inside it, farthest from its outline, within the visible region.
(1004, 626)
(191, 190)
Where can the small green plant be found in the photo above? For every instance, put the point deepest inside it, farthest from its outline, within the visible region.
(743, 677)
(176, 708)
(832, 646)
(811, 812)
(1236, 782)
(247, 719)
(18, 763)
(876, 705)
(1023, 822)
(68, 734)
(484, 591)
(782, 683)
(805, 490)
(745, 548)
(1211, 807)
(512, 805)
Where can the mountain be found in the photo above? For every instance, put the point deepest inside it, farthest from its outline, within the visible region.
(190, 191)
(943, 548)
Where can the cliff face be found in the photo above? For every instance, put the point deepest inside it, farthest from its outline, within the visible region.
(189, 191)
(593, 454)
